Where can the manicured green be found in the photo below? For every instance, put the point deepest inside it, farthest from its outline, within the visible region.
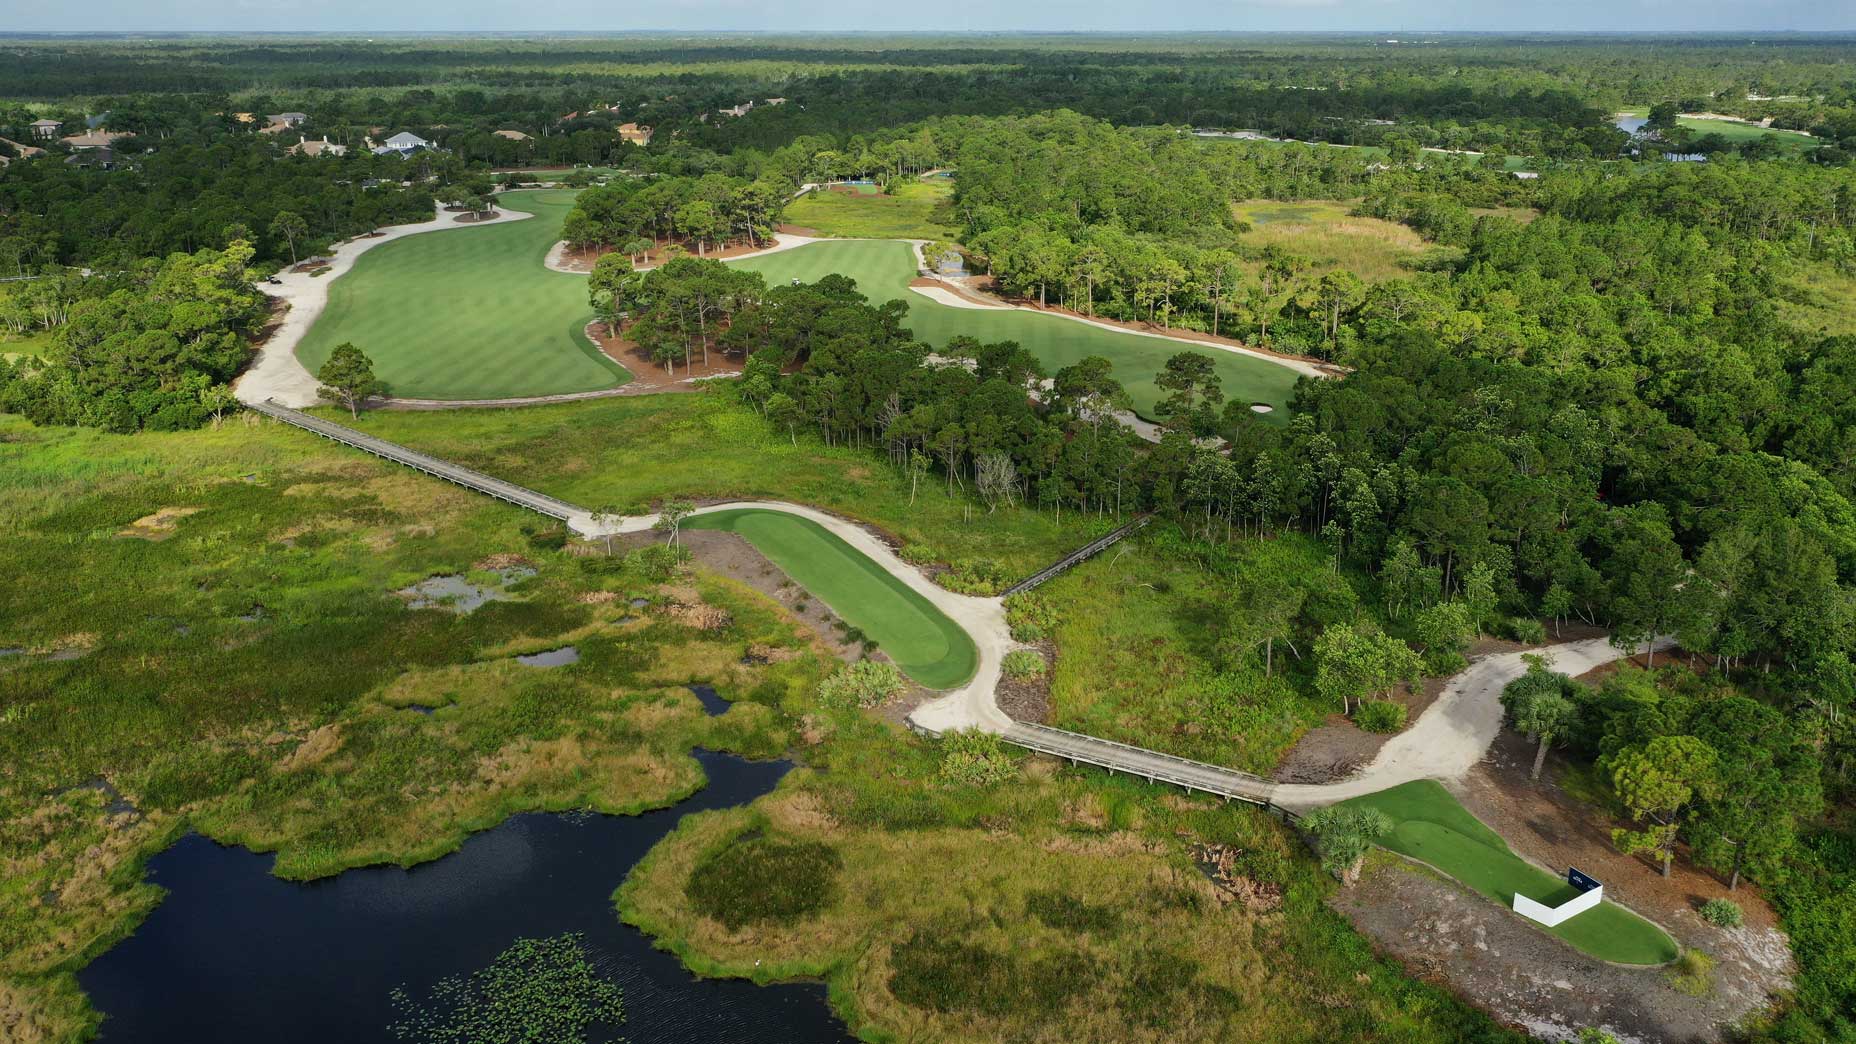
(927, 645)
(883, 272)
(1433, 827)
(1738, 133)
(922, 210)
(469, 313)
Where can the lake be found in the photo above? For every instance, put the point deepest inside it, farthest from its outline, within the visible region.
(235, 954)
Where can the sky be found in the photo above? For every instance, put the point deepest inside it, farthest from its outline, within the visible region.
(699, 16)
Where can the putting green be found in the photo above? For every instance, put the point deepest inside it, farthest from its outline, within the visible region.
(883, 271)
(468, 313)
(1430, 825)
(928, 646)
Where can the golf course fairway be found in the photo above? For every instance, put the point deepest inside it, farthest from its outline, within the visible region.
(925, 644)
(1431, 826)
(883, 270)
(468, 313)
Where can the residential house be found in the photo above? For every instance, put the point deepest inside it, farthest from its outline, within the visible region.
(102, 157)
(94, 139)
(325, 147)
(288, 119)
(405, 143)
(512, 135)
(45, 128)
(740, 110)
(631, 132)
(19, 151)
(774, 101)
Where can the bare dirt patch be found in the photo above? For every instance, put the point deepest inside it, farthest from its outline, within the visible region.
(158, 526)
(650, 376)
(569, 258)
(1494, 959)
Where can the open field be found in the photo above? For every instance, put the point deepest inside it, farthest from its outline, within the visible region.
(928, 646)
(1324, 232)
(920, 210)
(468, 313)
(1431, 826)
(1817, 298)
(883, 271)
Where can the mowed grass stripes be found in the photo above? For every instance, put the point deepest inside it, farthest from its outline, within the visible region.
(925, 644)
(883, 271)
(469, 313)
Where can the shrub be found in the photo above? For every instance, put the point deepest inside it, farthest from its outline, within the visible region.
(1527, 630)
(918, 554)
(1030, 617)
(1693, 973)
(975, 759)
(1380, 716)
(1722, 913)
(978, 576)
(764, 879)
(1344, 833)
(866, 683)
(1022, 663)
(658, 563)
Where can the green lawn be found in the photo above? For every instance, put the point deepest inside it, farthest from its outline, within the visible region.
(1432, 826)
(1738, 133)
(922, 210)
(927, 645)
(883, 271)
(469, 313)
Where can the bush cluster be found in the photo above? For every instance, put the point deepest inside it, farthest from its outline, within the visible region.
(866, 683)
(974, 758)
(1381, 716)
(1722, 913)
(1030, 617)
(1023, 663)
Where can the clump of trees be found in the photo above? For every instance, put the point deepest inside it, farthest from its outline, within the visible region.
(639, 215)
(150, 347)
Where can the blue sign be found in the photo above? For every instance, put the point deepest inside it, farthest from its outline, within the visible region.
(1579, 880)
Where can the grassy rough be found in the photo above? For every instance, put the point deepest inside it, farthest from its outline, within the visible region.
(920, 210)
(1326, 233)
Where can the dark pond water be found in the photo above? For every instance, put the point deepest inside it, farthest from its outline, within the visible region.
(234, 954)
(713, 703)
(561, 657)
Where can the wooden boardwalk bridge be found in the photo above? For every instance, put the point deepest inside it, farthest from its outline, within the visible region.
(509, 492)
(1076, 557)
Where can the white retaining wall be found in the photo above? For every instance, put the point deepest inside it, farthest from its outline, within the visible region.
(1553, 915)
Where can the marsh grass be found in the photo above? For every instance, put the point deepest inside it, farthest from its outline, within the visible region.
(250, 677)
(1002, 914)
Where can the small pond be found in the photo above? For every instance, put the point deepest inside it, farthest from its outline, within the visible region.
(457, 593)
(235, 954)
(1630, 124)
(561, 657)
